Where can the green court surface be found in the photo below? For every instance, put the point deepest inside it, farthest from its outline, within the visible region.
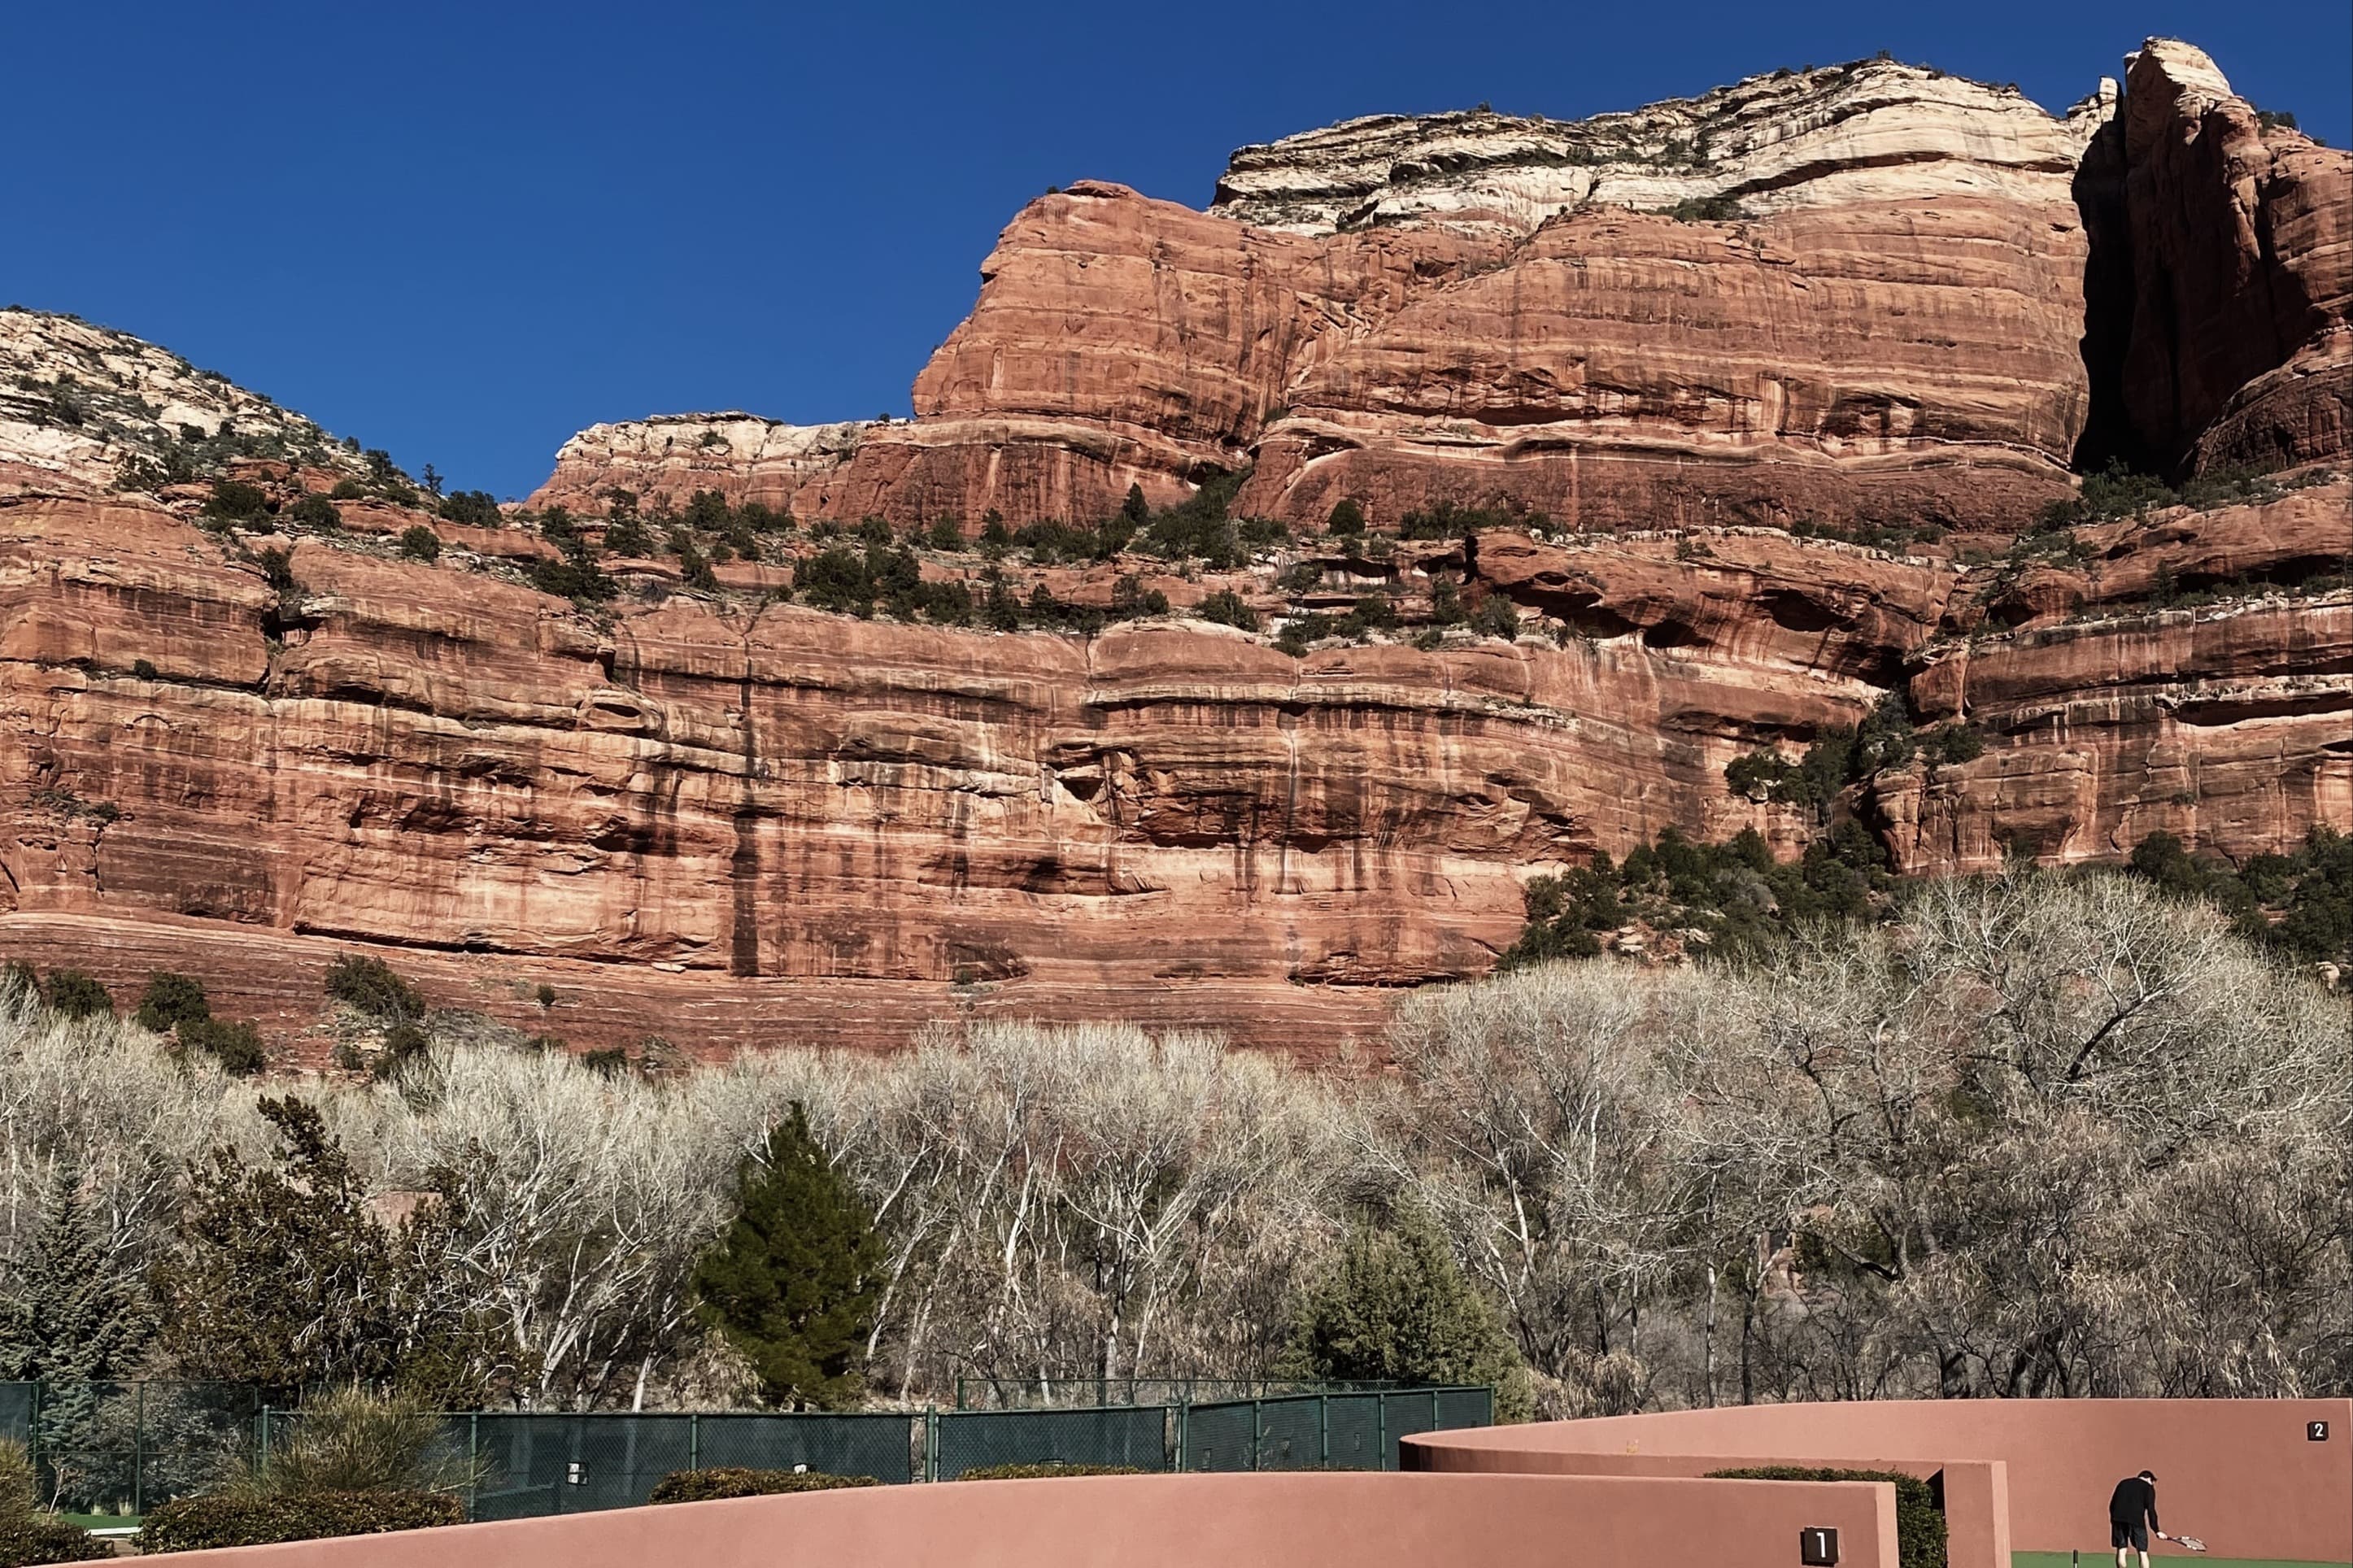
(2106, 1559)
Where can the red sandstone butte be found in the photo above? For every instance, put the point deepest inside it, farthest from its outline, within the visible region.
(1698, 338)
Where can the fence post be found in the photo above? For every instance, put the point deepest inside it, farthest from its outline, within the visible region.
(1381, 1428)
(694, 1440)
(473, 1463)
(1184, 1461)
(931, 1442)
(1258, 1430)
(139, 1451)
(262, 1460)
(1324, 1430)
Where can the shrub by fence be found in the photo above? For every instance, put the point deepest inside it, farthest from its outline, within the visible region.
(733, 1480)
(233, 1518)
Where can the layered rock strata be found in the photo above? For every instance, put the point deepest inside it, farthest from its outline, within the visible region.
(79, 402)
(2241, 237)
(729, 824)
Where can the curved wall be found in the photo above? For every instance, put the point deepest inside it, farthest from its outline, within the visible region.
(1296, 1520)
(2240, 1474)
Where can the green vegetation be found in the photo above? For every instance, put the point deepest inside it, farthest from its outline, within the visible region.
(576, 575)
(1348, 518)
(1371, 613)
(2118, 492)
(1708, 209)
(369, 986)
(1045, 1472)
(350, 1439)
(74, 994)
(316, 511)
(794, 1281)
(1445, 520)
(1496, 617)
(234, 1519)
(1737, 898)
(237, 501)
(1920, 1539)
(628, 536)
(2299, 906)
(1871, 535)
(1227, 608)
(471, 509)
(30, 1533)
(175, 1005)
(285, 1277)
(1394, 1307)
(1840, 756)
(726, 1482)
(144, 669)
(67, 1316)
(419, 542)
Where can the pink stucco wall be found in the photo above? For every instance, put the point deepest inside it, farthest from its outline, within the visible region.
(1310, 1521)
(2239, 1473)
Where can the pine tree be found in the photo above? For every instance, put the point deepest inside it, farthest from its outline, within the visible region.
(793, 1282)
(1136, 509)
(70, 1314)
(1395, 1308)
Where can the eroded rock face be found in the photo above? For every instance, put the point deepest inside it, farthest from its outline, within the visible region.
(1870, 133)
(731, 821)
(2241, 250)
(79, 402)
(671, 456)
(732, 824)
(1857, 364)
(1475, 307)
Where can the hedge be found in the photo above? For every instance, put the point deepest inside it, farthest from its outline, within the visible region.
(1919, 1522)
(1043, 1472)
(726, 1482)
(30, 1537)
(194, 1523)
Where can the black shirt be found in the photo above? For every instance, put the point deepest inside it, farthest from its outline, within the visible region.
(2133, 1498)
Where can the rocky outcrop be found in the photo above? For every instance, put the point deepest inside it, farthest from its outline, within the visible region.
(778, 812)
(730, 822)
(79, 403)
(2241, 250)
(2218, 725)
(1870, 133)
(1849, 365)
(1883, 325)
(700, 813)
(1855, 296)
(670, 456)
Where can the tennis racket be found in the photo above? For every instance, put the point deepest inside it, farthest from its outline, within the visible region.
(2191, 1542)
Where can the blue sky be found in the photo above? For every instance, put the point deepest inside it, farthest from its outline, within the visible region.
(463, 231)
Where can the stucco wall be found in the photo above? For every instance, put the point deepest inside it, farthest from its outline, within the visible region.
(2238, 1473)
(1317, 1521)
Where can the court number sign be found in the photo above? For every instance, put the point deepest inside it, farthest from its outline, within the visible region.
(1818, 1548)
(2316, 1431)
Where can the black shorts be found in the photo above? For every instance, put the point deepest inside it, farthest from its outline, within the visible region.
(2121, 1535)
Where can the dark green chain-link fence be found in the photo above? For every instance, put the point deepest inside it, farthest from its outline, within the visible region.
(117, 1447)
(1084, 1388)
(112, 1447)
(1321, 1431)
(1131, 1434)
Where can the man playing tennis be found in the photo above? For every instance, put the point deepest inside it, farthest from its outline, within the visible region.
(2132, 1517)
